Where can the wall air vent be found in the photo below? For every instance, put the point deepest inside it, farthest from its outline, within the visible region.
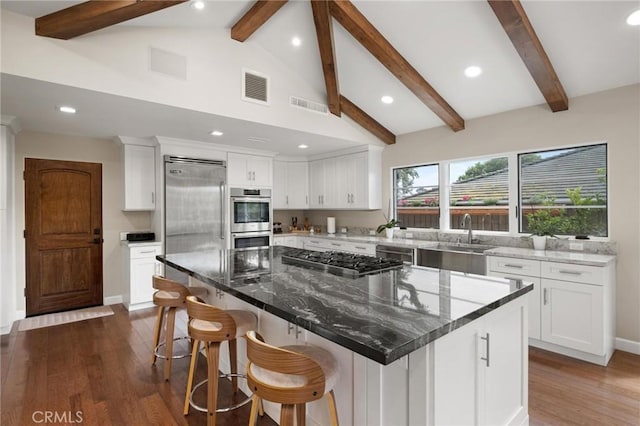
(167, 63)
(255, 87)
(309, 105)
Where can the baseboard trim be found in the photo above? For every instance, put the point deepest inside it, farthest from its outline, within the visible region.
(627, 345)
(6, 329)
(112, 300)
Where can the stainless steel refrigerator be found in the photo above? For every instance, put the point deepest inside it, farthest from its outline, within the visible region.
(194, 202)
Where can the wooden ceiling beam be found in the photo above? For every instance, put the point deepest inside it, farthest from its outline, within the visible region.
(366, 121)
(324, 33)
(363, 31)
(94, 15)
(255, 17)
(516, 24)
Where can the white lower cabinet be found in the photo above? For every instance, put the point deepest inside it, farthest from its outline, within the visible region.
(139, 266)
(572, 315)
(480, 371)
(572, 308)
(322, 244)
(287, 240)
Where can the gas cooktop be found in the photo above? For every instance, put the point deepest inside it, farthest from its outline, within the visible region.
(340, 263)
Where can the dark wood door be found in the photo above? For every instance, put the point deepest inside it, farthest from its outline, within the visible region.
(63, 218)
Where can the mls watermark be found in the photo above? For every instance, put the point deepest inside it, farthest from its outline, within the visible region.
(67, 417)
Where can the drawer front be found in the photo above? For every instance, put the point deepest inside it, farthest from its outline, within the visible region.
(145, 252)
(364, 249)
(509, 265)
(574, 273)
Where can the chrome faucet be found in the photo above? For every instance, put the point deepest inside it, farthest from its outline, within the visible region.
(466, 222)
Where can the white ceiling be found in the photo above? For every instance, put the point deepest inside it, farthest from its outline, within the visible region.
(588, 42)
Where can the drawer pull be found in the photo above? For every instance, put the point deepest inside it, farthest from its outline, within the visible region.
(511, 265)
(336, 244)
(360, 247)
(487, 359)
(562, 271)
(147, 252)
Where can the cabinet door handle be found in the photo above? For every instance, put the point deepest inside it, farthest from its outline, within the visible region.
(153, 197)
(545, 296)
(563, 271)
(289, 328)
(287, 199)
(510, 265)
(488, 345)
(253, 174)
(222, 207)
(248, 175)
(318, 200)
(306, 200)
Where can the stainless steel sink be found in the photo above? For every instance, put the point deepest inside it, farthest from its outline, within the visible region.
(464, 248)
(455, 257)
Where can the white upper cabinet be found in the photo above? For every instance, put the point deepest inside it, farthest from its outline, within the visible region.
(290, 185)
(139, 177)
(351, 181)
(249, 170)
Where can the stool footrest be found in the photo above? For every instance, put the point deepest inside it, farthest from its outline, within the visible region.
(157, 353)
(222, 409)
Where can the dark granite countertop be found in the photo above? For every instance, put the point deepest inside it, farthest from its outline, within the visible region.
(382, 316)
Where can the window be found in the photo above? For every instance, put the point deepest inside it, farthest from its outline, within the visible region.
(416, 196)
(564, 191)
(479, 188)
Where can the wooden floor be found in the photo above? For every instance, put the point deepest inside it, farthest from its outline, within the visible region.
(101, 367)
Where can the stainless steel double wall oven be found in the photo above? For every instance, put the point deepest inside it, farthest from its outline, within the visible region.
(251, 212)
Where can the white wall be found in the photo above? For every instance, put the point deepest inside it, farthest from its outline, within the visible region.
(114, 220)
(115, 60)
(7, 231)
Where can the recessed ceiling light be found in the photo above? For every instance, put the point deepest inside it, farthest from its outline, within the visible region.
(216, 133)
(386, 99)
(296, 41)
(198, 5)
(67, 109)
(472, 71)
(634, 18)
(303, 146)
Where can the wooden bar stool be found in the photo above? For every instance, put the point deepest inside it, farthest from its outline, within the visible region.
(170, 296)
(291, 376)
(212, 326)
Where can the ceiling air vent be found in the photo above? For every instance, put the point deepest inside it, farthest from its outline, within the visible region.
(255, 87)
(309, 105)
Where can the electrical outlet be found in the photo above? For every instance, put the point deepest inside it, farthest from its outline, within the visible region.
(372, 232)
(123, 236)
(576, 246)
(408, 235)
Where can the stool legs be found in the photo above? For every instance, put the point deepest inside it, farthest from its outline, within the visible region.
(301, 414)
(192, 369)
(286, 414)
(156, 333)
(213, 361)
(233, 362)
(333, 410)
(171, 322)
(255, 407)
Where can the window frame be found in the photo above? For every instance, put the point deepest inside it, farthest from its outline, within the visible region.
(514, 191)
(542, 150)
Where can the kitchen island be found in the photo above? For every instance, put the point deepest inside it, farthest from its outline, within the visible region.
(415, 345)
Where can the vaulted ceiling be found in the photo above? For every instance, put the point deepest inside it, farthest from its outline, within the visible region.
(354, 53)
